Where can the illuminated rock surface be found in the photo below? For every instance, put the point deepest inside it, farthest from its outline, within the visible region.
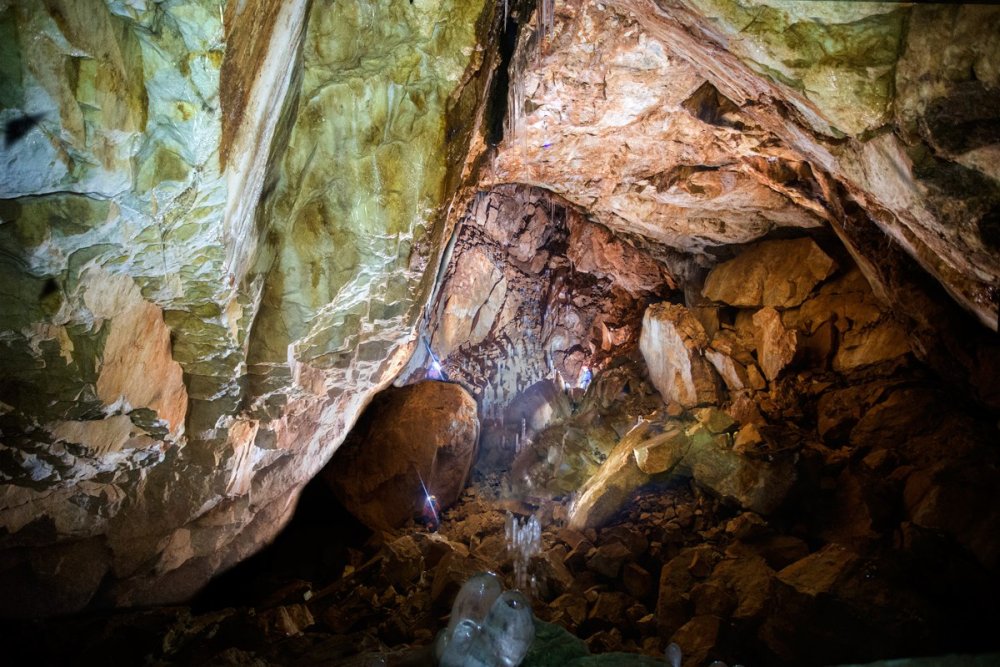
(176, 357)
(410, 442)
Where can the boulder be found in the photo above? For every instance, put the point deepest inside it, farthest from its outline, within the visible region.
(608, 489)
(421, 435)
(672, 343)
(866, 333)
(820, 572)
(607, 559)
(756, 484)
(672, 609)
(698, 638)
(662, 451)
(749, 579)
(780, 274)
(775, 344)
(714, 419)
(731, 372)
(638, 582)
(948, 498)
(884, 340)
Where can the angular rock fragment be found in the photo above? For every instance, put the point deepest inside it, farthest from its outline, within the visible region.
(672, 343)
(820, 572)
(775, 344)
(780, 274)
(731, 372)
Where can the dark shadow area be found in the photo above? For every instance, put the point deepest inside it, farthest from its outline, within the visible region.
(312, 548)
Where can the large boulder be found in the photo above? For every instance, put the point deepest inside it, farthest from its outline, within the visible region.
(780, 274)
(672, 343)
(421, 435)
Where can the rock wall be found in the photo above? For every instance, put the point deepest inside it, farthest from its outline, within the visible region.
(174, 355)
(704, 123)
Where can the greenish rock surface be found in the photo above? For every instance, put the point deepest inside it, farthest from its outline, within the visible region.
(174, 356)
(841, 57)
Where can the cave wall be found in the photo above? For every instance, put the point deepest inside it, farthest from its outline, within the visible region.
(175, 355)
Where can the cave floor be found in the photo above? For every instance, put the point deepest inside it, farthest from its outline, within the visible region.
(675, 563)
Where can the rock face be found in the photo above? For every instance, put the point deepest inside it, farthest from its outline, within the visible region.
(415, 437)
(534, 300)
(171, 349)
(672, 342)
(779, 274)
(697, 159)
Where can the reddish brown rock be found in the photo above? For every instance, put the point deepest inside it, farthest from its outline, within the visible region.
(422, 435)
(672, 609)
(779, 274)
(750, 581)
(698, 638)
(638, 582)
(608, 559)
(594, 249)
(820, 572)
(775, 344)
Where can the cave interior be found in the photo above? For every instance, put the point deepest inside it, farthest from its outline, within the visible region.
(677, 316)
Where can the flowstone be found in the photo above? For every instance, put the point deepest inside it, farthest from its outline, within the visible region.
(489, 627)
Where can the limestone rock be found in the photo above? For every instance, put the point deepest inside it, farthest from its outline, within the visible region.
(946, 498)
(779, 274)
(285, 621)
(757, 485)
(714, 419)
(867, 334)
(475, 303)
(747, 438)
(672, 343)
(698, 638)
(149, 279)
(637, 581)
(820, 572)
(860, 347)
(731, 372)
(609, 488)
(594, 249)
(422, 435)
(750, 581)
(675, 581)
(661, 452)
(775, 345)
(607, 559)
